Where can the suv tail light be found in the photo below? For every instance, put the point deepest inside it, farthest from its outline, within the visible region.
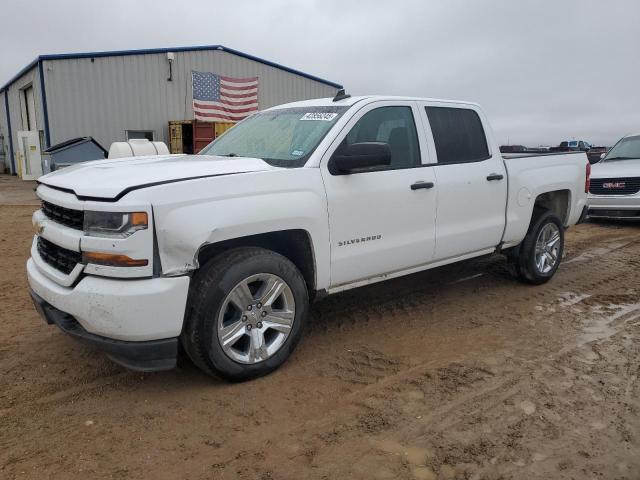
(587, 181)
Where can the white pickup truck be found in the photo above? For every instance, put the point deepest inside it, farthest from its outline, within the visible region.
(222, 252)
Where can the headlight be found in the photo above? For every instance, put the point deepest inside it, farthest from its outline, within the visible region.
(114, 224)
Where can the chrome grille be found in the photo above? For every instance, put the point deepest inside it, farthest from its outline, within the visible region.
(615, 186)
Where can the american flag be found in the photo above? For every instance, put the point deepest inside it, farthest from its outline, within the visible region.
(223, 99)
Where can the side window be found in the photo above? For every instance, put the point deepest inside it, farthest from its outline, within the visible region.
(140, 134)
(458, 135)
(394, 126)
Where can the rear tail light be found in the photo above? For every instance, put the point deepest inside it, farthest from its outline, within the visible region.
(587, 181)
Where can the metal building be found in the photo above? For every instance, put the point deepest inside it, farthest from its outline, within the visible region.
(116, 96)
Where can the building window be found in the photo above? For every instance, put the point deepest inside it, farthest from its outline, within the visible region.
(140, 134)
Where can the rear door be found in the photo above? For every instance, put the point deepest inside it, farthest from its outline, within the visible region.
(378, 222)
(471, 179)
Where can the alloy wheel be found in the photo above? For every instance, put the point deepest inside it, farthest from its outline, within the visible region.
(547, 248)
(256, 318)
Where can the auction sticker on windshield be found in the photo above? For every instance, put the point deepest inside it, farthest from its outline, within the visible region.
(325, 117)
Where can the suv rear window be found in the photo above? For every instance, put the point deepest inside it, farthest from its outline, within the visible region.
(458, 135)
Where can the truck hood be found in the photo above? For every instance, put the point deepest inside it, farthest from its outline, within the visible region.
(111, 179)
(616, 169)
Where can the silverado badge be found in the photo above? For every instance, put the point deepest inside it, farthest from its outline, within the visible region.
(359, 240)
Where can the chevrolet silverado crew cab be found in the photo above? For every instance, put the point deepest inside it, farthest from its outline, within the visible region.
(222, 252)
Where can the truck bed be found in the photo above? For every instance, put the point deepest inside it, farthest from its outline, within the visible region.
(508, 156)
(530, 175)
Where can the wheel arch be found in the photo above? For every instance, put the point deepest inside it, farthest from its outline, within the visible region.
(294, 244)
(556, 201)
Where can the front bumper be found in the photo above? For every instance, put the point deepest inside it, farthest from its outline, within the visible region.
(623, 214)
(136, 322)
(152, 355)
(122, 309)
(614, 206)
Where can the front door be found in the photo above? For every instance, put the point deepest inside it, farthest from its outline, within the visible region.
(29, 158)
(378, 223)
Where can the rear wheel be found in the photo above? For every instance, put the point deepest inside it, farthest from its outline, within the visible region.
(248, 307)
(540, 253)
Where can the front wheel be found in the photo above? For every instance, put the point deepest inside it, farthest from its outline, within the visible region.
(247, 310)
(541, 251)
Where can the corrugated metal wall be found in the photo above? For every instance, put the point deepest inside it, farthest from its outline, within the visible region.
(105, 96)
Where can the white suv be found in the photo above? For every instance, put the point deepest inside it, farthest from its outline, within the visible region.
(615, 182)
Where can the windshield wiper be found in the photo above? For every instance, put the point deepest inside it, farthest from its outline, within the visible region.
(229, 155)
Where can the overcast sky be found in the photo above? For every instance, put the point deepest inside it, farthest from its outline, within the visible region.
(543, 70)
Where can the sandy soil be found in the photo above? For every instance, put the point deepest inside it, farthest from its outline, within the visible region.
(13, 191)
(460, 372)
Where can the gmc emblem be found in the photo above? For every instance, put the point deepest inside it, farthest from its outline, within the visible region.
(614, 185)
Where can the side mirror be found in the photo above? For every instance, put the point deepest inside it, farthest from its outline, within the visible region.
(602, 155)
(358, 156)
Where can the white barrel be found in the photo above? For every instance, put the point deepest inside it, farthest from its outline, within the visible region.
(136, 148)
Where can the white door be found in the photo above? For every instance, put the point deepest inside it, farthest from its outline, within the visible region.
(472, 182)
(378, 223)
(29, 157)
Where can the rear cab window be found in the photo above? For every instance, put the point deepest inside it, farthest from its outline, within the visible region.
(458, 135)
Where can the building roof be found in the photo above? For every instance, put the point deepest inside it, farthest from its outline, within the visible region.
(124, 53)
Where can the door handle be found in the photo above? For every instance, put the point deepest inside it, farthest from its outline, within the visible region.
(495, 176)
(421, 184)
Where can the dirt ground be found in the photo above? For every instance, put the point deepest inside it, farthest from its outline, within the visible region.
(460, 372)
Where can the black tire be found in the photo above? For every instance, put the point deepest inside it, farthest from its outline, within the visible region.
(525, 260)
(210, 287)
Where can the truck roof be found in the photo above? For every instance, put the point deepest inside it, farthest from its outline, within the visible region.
(324, 102)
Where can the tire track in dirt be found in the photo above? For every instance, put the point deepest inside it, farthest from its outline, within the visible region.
(433, 375)
(504, 392)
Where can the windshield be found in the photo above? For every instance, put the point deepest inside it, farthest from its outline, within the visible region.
(626, 149)
(285, 137)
